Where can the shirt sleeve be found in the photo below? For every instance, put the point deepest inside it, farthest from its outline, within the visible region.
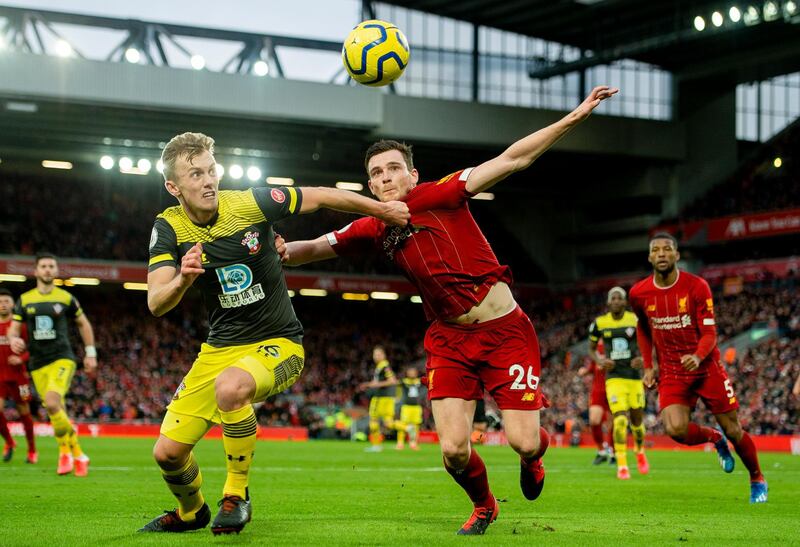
(704, 319)
(23, 333)
(643, 337)
(278, 202)
(594, 335)
(358, 236)
(74, 309)
(163, 246)
(19, 312)
(448, 193)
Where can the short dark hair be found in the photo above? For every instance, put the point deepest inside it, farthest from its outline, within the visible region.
(663, 235)
(6, 292)
(43, 256)
(385, 146)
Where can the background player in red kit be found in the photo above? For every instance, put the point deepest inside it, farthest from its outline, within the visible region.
(676, 316)
(599, 412)
(14, 382)
(479, 337)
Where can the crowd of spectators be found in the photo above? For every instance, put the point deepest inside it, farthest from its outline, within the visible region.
(142, 359)
(115, 223)
(763, 376)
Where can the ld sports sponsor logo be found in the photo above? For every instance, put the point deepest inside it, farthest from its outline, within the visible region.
(238, 290)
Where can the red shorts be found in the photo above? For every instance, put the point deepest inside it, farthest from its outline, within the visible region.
(17, 391)
(599, 398)
(501, 355)
(714, 388)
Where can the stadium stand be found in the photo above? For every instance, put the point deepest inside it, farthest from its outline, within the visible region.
(143, 361)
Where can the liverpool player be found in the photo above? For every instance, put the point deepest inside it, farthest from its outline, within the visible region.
(676, 316)
(14, 382)
(479, 337)
(46, 310)
(599, 412)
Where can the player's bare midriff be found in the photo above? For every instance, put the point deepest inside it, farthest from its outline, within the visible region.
(498, 302)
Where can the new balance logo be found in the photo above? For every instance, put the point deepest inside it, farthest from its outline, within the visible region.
(238, 458)
(529, 396)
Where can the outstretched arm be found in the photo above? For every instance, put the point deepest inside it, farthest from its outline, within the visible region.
(391, 212)
(302, 252)
(524, 152)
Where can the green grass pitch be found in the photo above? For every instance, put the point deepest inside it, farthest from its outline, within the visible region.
(333, 493)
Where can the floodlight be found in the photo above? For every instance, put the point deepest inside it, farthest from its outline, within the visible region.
(699, 23)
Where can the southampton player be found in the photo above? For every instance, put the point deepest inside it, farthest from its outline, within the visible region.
(676, 316)
(410, 409)
(45, 310)
(14, 382)
(222, 243)
(624, 389)
(599, 412)
(479, 337)
(383, 388)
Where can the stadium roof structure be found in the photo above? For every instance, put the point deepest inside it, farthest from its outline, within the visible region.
(754, 40)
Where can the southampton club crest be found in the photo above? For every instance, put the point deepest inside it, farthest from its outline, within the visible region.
(250, 240)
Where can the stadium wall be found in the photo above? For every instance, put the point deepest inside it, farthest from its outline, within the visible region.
(152, 430)
(768, 443)
(765, 443)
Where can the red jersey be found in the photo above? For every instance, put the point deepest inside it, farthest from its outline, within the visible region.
(441, 250)
(12, 372)
(677, 320)
(599, 375)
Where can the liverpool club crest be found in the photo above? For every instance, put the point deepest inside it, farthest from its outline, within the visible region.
(250, 240)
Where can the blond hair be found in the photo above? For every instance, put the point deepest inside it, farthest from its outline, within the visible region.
(186, 144)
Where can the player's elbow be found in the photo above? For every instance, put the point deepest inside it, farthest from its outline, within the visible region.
(154, 308)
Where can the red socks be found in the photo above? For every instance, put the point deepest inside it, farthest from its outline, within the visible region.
(4, 432)
(27, 423)
(597, 435)
(746, 449)
(474, 480)
(696, 434)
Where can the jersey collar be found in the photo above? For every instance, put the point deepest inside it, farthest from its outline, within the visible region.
(657, 286)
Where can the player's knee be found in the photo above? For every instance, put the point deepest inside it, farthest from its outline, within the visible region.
(455, 454)
(733, 430)
(52, 403)
(167, 458)
(527, 447)
(232, 393)
(677, 431)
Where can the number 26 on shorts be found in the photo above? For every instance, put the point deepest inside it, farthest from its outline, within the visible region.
(525, 380)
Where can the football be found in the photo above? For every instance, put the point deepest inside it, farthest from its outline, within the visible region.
(375, 53)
